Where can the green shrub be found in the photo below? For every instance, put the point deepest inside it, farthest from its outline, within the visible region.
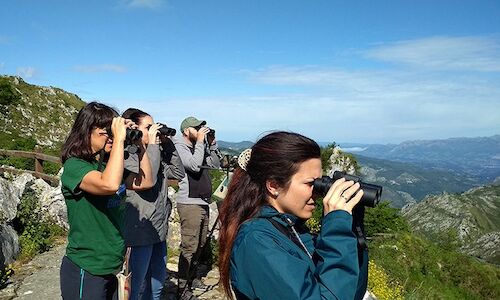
(384, 219)
(5, 274)
(430, 272)
(381, 285)
(38, 234)
(8, 95)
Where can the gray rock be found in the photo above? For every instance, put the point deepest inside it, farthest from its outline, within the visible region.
(20, 183)
(52, 202)
(9, 245)
(339, 161)
(40, 277)
(9, 200)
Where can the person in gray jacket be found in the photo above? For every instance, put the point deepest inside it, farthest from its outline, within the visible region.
(147, 212)
(198, 151)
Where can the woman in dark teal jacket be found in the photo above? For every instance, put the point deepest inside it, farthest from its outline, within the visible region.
(265, 250)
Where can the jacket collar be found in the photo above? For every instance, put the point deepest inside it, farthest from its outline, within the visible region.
(267, 211)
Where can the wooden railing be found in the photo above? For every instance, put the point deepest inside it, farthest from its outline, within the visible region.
(39, 159)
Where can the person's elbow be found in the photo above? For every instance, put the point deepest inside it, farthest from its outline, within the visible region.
(105, 188)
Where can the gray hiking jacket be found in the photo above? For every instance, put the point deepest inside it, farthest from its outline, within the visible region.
(148, 211)
(196, 187)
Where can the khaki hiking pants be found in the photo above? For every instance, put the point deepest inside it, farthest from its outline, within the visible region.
(194, 230)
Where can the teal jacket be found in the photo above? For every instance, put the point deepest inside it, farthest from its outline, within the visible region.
(266, 264)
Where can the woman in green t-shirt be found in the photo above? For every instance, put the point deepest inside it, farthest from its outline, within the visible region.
(95, 201)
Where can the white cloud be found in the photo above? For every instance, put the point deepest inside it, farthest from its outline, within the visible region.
(101, 68)
(2, 65)
(27, 72)
(389, 104)
(150, 4)
(383, 86)
(329, 118)
(471, 53)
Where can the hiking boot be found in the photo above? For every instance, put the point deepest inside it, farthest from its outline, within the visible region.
(197, 284)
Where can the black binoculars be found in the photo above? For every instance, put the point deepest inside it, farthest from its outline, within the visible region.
(131, 135)
(165, 130)
(371, 192)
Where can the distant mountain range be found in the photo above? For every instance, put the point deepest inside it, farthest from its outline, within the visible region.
(405, 183)
(234, 148)
(478, 157)
(412, 170)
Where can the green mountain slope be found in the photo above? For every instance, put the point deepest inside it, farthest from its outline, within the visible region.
(473, 216)
(34, 115)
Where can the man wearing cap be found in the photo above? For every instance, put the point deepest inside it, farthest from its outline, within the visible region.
(193, 197)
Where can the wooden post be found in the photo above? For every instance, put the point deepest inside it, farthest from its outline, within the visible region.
(38, 161)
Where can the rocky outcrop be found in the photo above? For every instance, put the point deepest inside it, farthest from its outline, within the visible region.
(339, 161)
(51, 202)
(9, 245)
(11, 192)
(472, 216)
(42, 113)
(8, 201)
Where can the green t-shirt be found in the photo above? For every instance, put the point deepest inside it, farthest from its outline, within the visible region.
(94, 240)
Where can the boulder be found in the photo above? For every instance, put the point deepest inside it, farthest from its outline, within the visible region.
(340, 162)
(20, 183)
(9, 199)
(51, 202)
(9, 245)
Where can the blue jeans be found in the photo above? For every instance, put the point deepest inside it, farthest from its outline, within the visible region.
(149, 270)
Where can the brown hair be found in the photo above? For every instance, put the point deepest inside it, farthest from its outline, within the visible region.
(276, 157)
(91, 116)
(135, 115)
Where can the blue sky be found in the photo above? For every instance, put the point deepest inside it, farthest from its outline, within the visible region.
(344, 71)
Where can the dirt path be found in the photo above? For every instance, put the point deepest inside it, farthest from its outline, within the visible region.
(39, 279)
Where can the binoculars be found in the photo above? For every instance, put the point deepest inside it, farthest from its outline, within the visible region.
(371, 192)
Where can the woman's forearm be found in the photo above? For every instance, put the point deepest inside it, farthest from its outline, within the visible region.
(144, 179)
(113, 173)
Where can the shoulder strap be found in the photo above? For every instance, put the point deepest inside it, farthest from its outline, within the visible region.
(286, 231)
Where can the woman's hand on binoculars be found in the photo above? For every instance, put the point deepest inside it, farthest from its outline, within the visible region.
(153, 133)
(343, 195)
(118, 129)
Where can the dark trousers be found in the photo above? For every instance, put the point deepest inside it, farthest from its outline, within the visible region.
(194, 230)
(77, 283)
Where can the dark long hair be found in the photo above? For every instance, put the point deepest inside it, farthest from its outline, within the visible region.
(134, 114)
(276, 157)
(91, 116)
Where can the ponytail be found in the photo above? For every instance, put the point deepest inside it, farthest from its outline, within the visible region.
(243, 201)
(275, 157)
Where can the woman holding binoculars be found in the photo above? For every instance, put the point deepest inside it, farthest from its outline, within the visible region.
(148, 211)
(93, 185)
(265, 251)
